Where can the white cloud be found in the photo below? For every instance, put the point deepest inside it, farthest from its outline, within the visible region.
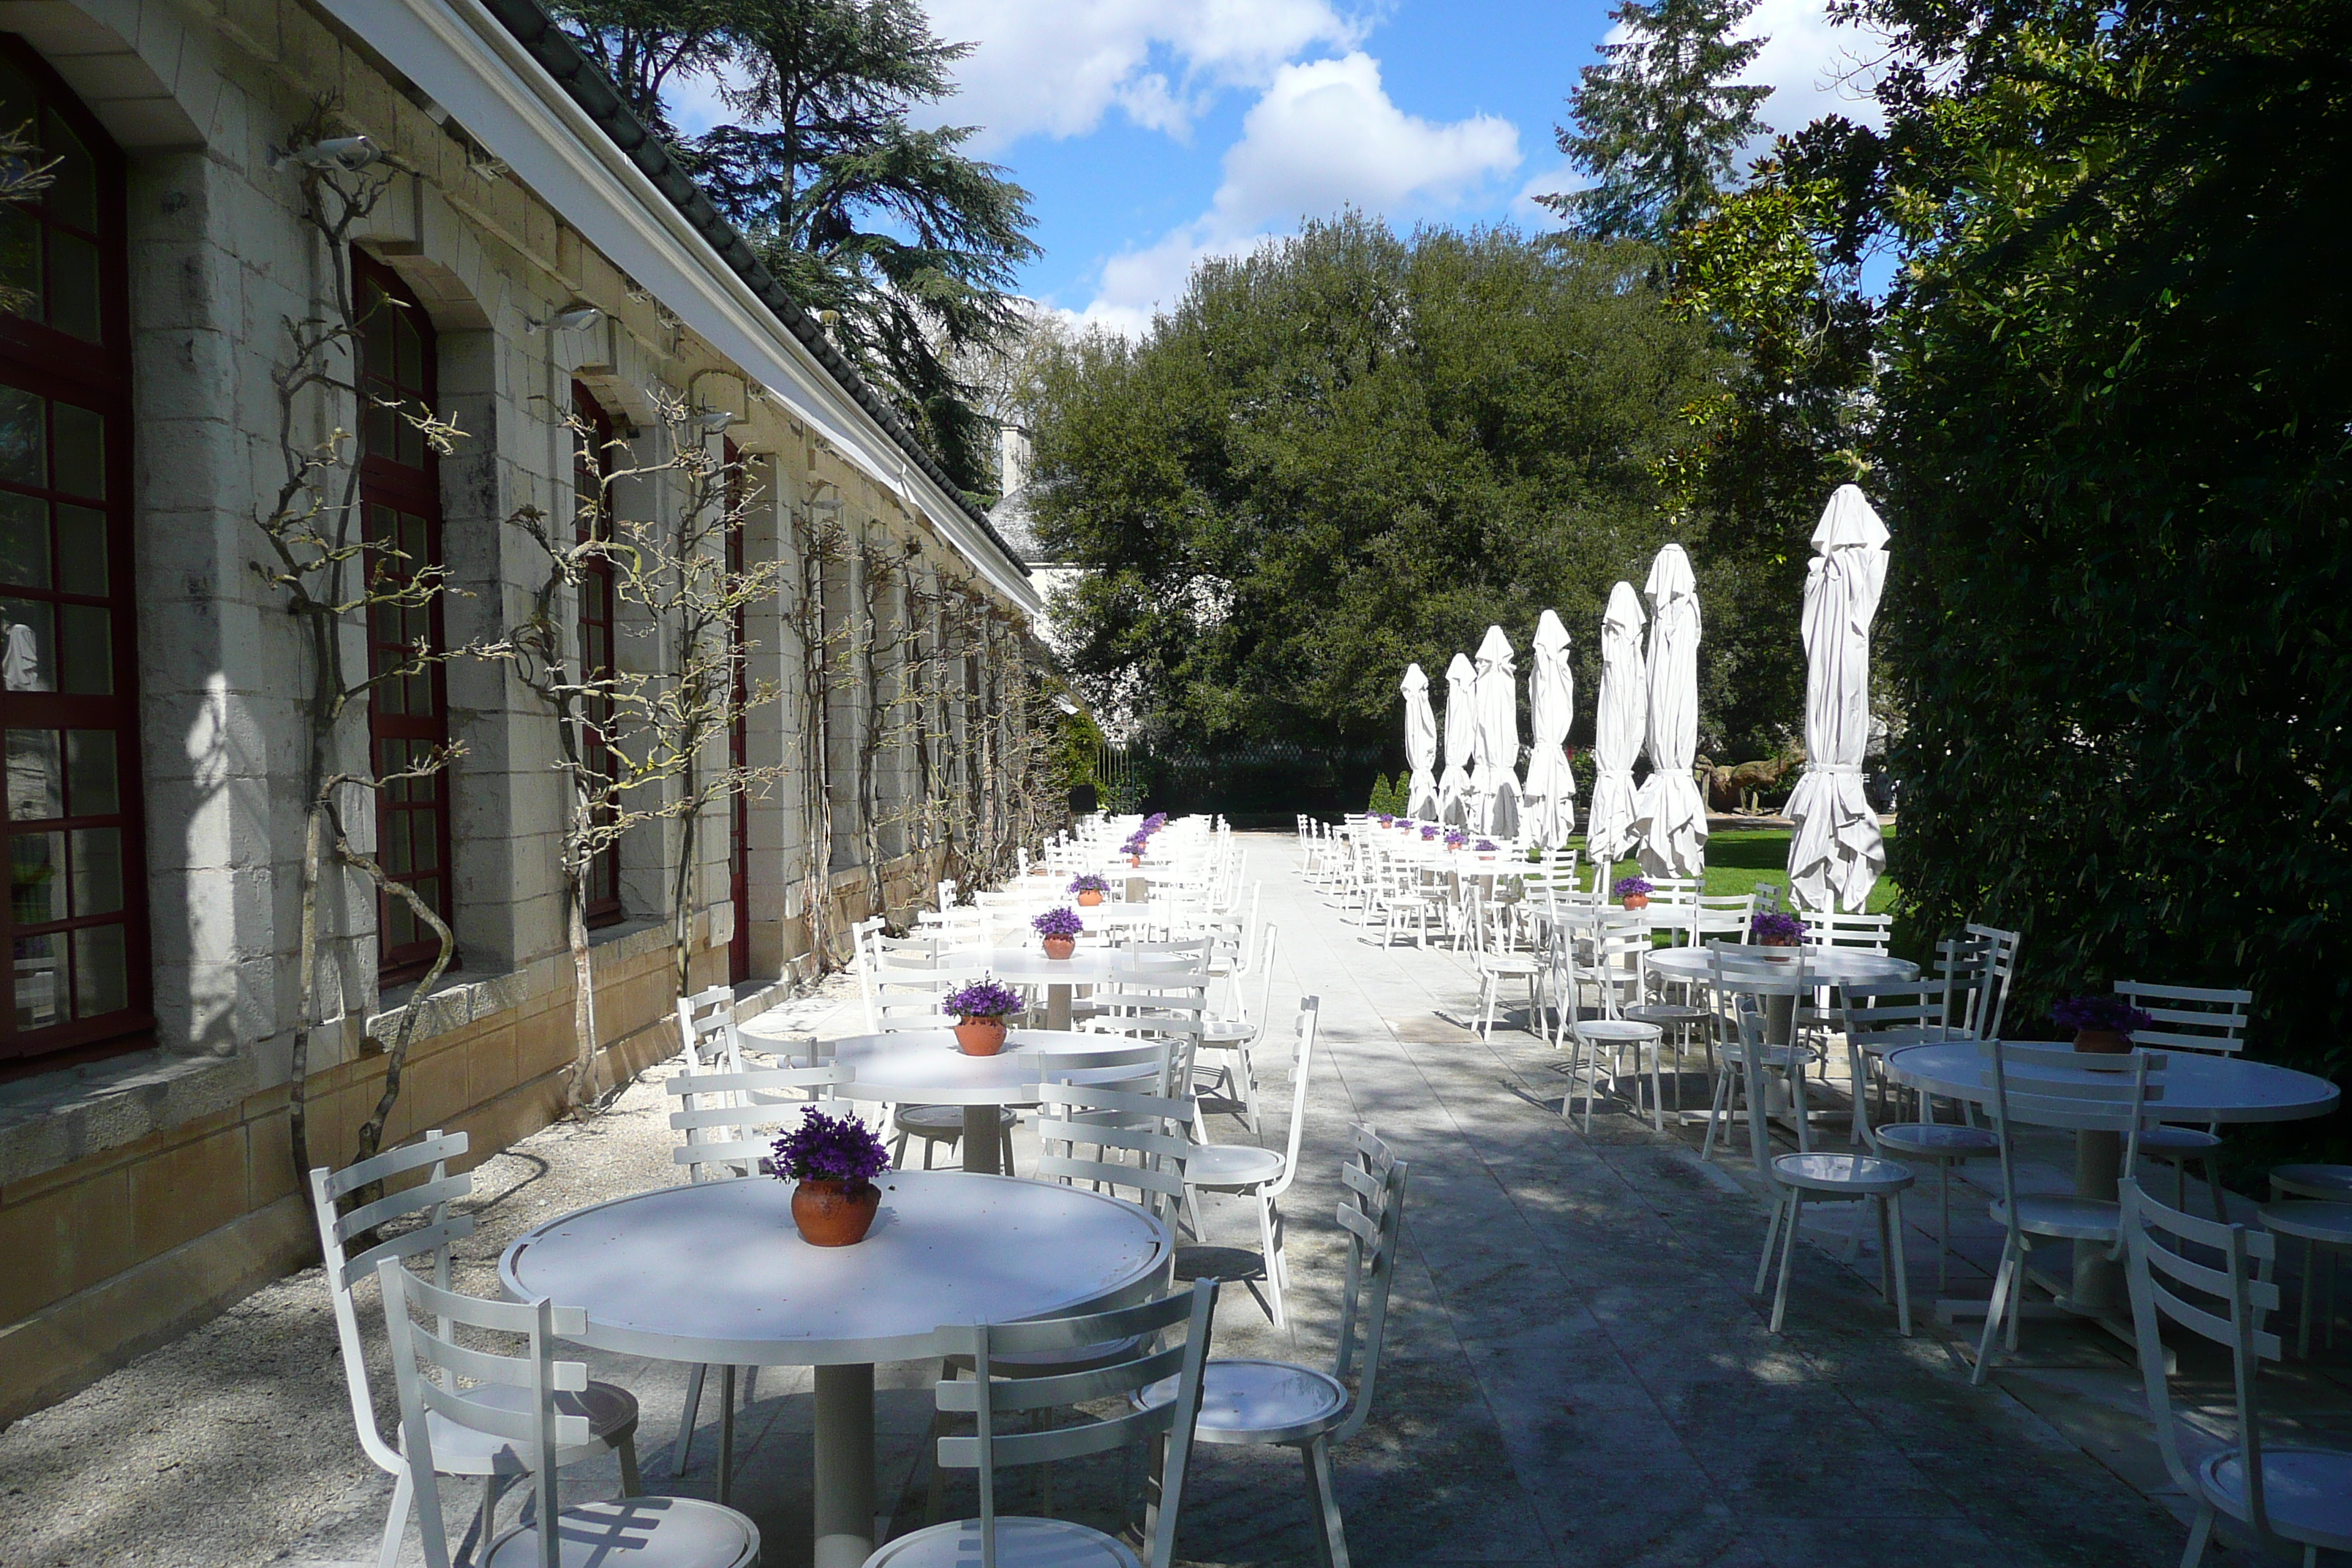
(1814, 68)
(1324, 136)
(1058, 67)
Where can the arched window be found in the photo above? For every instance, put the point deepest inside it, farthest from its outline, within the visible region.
(76, 916)
(591, 474)
(409, 717)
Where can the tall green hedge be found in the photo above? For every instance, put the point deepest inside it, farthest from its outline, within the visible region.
(2114, 422)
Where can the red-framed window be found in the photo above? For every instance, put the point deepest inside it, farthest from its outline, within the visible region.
(591, 474)
(408, 715)
(76, 916)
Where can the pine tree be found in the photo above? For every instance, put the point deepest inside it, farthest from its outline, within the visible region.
(903, 244)
(1659, 123)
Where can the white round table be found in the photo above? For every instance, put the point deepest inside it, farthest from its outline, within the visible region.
(1848, 967)
(2199, 1085)
(714, 1274)
(925, 1067)
(1029, 964)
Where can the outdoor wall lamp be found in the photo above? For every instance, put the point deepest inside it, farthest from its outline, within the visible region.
(343, 155)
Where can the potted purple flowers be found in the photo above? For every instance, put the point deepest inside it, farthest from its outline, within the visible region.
(1773, 929)
(2103, 1024)
(1456, 838)
(979, 1009)
(1135, 844)
(834, 1160)
(1060, 928)
(1089, 888)
(1633, 892)
(1427, 834)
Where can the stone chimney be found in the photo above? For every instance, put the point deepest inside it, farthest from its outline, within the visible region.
(1013, 457)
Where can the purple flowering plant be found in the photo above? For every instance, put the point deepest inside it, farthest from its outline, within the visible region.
(1631, 887)
(2100, 1013)
(1428, 832)
(830, 1149)
(1486, 847)
(1058, 923)
(981, 999)
(1155, 822)
(1136, 844)
(1089, 883)
(1775, 928)
(1456, 838)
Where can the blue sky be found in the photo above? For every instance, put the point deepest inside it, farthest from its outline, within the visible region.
(1151, 132)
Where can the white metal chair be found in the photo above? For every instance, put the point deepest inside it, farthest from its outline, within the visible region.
(2318, 1225)
(1256, 1403)
(1499, 963)
(2092, 1097)
(1262, 1174)
(2188, 1018)
(609, 1410)
(1797, 1178)
(1619, 944)
(706, 1030)
(995, 1541)
(2295, 1493)
(524, 1409)
(1229, 1039)
(1877, 1026)
(1862, 933)
(1767, 978)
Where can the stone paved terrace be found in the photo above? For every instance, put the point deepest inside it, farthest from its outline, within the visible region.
(1577, 1372)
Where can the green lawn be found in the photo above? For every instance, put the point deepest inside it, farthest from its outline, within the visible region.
(1739, 861)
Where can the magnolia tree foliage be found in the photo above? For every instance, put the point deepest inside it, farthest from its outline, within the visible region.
(1352, 450)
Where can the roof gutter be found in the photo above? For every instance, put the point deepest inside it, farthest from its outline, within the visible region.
(527, 93)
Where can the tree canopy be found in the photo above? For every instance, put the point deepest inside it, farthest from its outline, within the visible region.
(1659, 123)
(906, 245)
(2108, 429)
(1349, 450)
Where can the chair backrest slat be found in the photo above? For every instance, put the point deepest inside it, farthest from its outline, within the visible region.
(2194, 1018)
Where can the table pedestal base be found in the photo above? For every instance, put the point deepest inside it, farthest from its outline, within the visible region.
(984, 1141)
(845, 1458)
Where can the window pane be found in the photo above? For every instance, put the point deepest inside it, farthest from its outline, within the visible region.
(80, 449)
(24, 540)
(28, 645)
(35, 867)
(89, 648)
(73, 191)
(40, 1000)
(73, 285)
(424, 838)
(408, 448)
(81, 550)
(420, 691)
(97, 871)
(396, 858)
(400, 926)
(408, 366)
(23, 438)
(378, 427)
(89, 754)
(20, 262)
(102, 977)
(34, 791)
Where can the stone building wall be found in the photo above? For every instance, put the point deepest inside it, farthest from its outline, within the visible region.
(143, 1190)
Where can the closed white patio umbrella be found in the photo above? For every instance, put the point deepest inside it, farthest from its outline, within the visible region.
(1420, 746)
(1496, 784)
(1669, 814)
(1617, 727)
(1551, 708)
(1837, 853)
(1461, 738)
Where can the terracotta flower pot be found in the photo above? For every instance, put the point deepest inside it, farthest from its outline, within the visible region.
(1636, 900)
(1135, 859)
(980, 1036)
(829, 1214)
(1061, 946)
(1787, 952)
(2102, 1042)
(1089, 900)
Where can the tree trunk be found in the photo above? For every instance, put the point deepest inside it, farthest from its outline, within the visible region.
(297, 1118)
(581, 1091)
